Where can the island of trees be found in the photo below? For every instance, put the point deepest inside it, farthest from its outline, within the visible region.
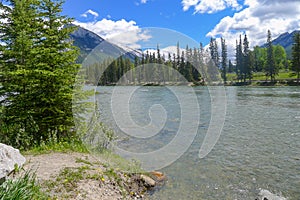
(261, 65)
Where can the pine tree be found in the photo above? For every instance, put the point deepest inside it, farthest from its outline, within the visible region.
(270, 70)
(247, 65)
(56, 57)
(296, 55)
(213, 47)
(38, 71)
(224, 59)
(196, 65)
(17, 45)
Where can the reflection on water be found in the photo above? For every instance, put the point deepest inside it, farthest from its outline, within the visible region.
(259, 146)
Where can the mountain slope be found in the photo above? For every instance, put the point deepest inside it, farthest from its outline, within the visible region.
(285, 40)
(89, 43)
(86, 41)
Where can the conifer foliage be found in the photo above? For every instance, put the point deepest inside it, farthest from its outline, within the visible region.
(37, 72)
(296, 55)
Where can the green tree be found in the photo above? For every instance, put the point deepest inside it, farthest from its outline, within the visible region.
(271, 70)
(239, 68)
(280, 56)
(224, 59)
(259, 58)
(296, 55)
(18, 26)
(247, 64)
(37, 72)
(56, 70)
(214, 52)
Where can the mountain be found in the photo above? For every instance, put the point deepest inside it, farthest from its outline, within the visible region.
(89, 44)
(286, 40)
(86, 41)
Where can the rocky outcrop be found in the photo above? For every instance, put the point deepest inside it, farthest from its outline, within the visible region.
(10, 158)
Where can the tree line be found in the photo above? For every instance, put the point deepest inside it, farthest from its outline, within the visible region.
(150, 67)
(190, 64)
(269, 60)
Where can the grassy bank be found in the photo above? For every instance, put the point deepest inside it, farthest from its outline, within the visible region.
(259, 79)
(75, 173)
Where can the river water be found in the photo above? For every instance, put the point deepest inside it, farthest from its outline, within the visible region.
(259, 147)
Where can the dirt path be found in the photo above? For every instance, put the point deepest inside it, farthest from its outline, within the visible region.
(82, 176)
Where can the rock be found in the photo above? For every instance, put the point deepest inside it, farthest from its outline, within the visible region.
(149, 182)
(9, 157)
(158, 176)
(267, 195)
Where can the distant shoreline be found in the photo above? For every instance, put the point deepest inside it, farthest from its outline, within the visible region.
(255, 83)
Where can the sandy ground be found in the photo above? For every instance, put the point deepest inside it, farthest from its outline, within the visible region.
(49, 166)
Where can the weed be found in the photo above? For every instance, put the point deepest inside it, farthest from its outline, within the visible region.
(23, 188)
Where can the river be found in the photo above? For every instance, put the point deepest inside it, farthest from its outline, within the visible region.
(259, 146)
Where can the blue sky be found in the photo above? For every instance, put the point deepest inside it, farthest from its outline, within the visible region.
(198, 19)
(154, 13)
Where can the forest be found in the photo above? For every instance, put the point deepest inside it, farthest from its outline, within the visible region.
(269, 60)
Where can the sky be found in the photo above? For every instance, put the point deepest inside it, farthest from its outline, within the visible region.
(197, 19)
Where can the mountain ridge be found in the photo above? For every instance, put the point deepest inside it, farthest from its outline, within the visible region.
(285, 40)
(87, 41)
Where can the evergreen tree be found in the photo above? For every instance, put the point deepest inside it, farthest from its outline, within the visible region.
(224, 59)
(296, 55)
(239, 59)
(137, 70)
(37, 71)
(213, 47)
(270, 70)
(17, 28)
(56, 57)
(196, 60)
(247, 65)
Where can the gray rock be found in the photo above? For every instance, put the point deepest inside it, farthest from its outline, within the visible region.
(9, 157)
(149, 182)
(267, 195)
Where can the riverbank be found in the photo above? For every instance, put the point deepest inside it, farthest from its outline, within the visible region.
(75, 175)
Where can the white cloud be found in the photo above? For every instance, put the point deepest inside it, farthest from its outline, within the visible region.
(90, 12)
(144, 1)
(210, 6)
(122, 33)
(255, 20)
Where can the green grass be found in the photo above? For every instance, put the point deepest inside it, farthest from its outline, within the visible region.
(260, 76)
(65, 185)
(23, 188)
(64, 147)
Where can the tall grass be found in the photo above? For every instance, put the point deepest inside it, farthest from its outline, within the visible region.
(22, 188)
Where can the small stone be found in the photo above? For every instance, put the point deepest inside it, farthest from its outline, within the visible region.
(149, 182)
(158, 176)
